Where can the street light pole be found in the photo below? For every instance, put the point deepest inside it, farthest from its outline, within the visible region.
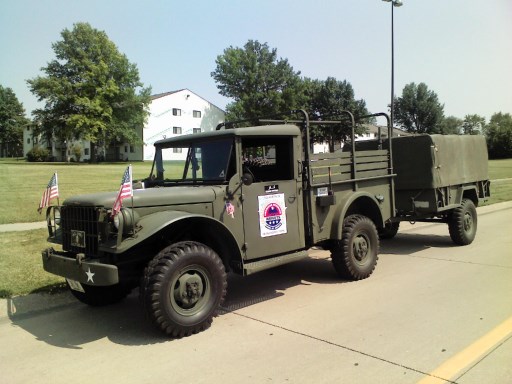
(394, 3)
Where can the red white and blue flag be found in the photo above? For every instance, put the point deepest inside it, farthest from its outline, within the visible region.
(125, 191)
(51, 192)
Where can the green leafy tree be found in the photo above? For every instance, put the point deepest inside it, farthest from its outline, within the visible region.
(499, 136)
(12, 123)
(91, 91)
(418, 110)
(325, 101)
(473, 125)
(450, 125)
(260, 83)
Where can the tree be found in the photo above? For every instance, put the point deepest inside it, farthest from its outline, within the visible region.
(91, 91)
(418, 110)
(499, 136)
(450, 125)
(473, 125)
(259, 83)
(12, 123)
(326, 100)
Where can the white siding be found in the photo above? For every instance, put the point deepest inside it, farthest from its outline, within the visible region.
(162, 120)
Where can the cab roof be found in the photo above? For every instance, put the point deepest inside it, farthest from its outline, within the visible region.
(257, 131)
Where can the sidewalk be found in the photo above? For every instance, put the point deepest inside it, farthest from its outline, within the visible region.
(22, 226)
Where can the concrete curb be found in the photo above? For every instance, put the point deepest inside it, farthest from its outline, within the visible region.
(19, 307)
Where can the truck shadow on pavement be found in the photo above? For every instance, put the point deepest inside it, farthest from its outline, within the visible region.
(407, 244)
(72, 324)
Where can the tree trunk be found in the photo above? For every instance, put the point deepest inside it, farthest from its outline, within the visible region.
(94, 157)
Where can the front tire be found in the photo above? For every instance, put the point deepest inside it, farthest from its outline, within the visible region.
(463, 223)
(182, 288)
(355, 255)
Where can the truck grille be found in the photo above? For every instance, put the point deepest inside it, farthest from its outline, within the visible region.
(80, 229)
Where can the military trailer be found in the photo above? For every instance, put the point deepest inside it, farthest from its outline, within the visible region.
(439, 178)
(245, 199)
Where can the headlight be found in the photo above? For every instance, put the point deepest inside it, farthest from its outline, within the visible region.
(53, 220)
(117, 220)
(56, 216)
(125, 220)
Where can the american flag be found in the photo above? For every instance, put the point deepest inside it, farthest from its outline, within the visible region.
(125, 190)
(51, 192)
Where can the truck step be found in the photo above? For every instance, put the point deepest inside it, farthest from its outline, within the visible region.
(256, 266)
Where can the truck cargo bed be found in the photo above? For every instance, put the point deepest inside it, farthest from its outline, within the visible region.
(433, 161)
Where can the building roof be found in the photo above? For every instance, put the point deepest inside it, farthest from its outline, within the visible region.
(164, 94)
(159, 95)
(384, 130)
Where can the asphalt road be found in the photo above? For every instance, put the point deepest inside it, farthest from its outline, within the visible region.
(431, 313)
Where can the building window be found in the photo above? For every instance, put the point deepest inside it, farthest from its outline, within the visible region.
(177, 150)
(28, 140)
(196, 130)
(197, 113)
(132, 149)
(86, 151)
(176, 130)
(125, 148)
(176, 112)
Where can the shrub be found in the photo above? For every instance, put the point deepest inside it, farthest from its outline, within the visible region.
(38, 154)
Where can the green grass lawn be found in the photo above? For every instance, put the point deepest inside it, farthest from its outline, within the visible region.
(22, 184)
(21, 267)
(501, 188)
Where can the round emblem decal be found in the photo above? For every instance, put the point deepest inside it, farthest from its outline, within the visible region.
(272, 215)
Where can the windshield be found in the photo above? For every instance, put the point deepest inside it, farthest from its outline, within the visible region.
(196, 162)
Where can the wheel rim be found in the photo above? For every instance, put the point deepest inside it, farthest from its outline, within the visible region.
(361, 247)
(468, 222)
(190, 290)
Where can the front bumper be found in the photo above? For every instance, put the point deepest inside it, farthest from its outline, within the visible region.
(85, 271)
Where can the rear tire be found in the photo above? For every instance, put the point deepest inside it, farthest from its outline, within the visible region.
(463, 223)
(355, 255)
(182, 288)
(389, 231)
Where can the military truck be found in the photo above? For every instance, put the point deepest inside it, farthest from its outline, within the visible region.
(245, 199)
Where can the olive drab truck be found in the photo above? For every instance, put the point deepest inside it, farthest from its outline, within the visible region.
(242, 200)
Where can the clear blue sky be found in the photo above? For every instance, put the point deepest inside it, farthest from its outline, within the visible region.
(462, 49)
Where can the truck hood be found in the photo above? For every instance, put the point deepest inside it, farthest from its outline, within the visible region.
(150, 197)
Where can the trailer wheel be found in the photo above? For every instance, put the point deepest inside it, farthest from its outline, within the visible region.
(355, 255)
(463, 223)
(389, 231)
(182, 288)
(96, 296)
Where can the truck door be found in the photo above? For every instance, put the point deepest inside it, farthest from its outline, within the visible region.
(272, 204)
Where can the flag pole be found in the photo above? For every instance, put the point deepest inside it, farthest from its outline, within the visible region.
(57, 182)
(133, 216)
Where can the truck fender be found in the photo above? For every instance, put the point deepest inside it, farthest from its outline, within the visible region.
(362, 203)
(469, 192)
(154, 223)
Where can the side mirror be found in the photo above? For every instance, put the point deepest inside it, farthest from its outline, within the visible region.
(247, 179)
